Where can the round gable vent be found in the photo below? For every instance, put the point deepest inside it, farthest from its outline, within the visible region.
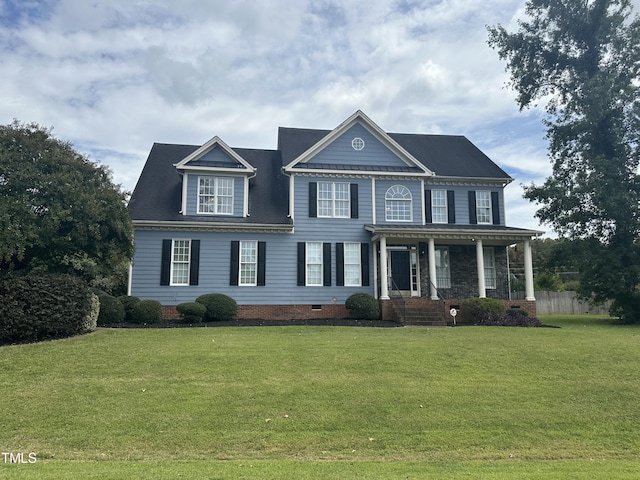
(357, 143)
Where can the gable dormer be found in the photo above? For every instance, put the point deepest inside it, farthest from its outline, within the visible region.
(215, 181)
(355, 147)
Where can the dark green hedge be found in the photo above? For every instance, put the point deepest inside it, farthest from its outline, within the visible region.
(39, 307)
(363, 306)
(220, 307)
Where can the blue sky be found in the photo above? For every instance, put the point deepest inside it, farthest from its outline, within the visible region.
(114, 76)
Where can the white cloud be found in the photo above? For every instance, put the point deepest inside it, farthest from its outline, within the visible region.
(114, 76)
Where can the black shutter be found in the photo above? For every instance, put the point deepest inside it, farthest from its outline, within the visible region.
(301, 264)
(473, 219)
(353, 191)
(451, 206)
(326, 268)
(495, 208)
(194, 267)
(313, 199)
(364, 263)
(340, 264)
(165, 262)
(234, 265)
(262, 262)
(427, 205)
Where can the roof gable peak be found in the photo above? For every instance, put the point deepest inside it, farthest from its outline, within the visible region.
(216, 142)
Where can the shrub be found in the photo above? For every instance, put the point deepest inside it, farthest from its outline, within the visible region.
(147, 311)
(128, 302)
(191, 311)
(515, 318)
(111, 310)
(482, 311)
(363, 306)
(43, 306)
(219, 307)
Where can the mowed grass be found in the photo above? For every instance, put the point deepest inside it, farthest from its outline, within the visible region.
(327, 402)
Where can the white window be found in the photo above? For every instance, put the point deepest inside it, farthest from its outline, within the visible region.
(483, 207)
(352, 268)
(439, 206)
(489, 267)
(314, 263)
(398, 205)
(333, 200)
(357, 143)
(180, 261)
(215, 195)
(248, 263)
(443, 269)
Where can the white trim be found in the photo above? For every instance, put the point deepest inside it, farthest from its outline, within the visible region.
(184, 194)
(130, 278)
(306, 264)
(255, 273)
(360, 118)
(373, 200)
(188, 262)
(206, 148)
(211, 226)
(245, 209)
(292, 203)
(422, 199)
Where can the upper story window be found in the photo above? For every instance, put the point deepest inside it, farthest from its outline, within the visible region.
(215, 195)
(333, 200)
(483, 207)
(398, 204)
(439, 206)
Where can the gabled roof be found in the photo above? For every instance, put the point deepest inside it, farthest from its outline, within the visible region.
(413, 165)
(193, 160)
(157, 196)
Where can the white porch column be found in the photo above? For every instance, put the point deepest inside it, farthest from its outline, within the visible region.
(528, 272)
(482, 291)
(432, 269)
(384, 279)
(375, 270)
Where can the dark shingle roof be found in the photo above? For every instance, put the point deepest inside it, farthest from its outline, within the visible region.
(446, 155)
(158, 193)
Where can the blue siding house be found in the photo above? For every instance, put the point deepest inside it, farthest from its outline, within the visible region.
(291, 233)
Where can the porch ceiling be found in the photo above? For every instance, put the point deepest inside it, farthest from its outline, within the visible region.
(453, 234)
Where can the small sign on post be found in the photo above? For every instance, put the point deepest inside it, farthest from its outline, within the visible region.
(453, 312)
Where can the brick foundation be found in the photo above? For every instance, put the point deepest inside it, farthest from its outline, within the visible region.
(277, 312)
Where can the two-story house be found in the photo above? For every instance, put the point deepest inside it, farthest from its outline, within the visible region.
(293, 232)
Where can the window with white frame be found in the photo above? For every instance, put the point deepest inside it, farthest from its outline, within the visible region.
(333, 200)
(313, 263)
(398, 204)
(352, 265)
(180, 261)
(215, 195)
(489, 258)
(248, 263)
(483, 207)
(439, 206)
(443, 269)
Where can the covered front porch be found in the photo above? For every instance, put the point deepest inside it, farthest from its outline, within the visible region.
(447, 262)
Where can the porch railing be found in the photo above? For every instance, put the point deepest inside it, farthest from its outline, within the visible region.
(397, 298)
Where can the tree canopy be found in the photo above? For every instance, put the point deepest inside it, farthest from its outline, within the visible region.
(59, 212)
(580, 60)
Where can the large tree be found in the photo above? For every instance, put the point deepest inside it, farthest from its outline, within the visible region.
(59, 212)
(580, 60)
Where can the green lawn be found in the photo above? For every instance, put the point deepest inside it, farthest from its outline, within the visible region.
(327, 402)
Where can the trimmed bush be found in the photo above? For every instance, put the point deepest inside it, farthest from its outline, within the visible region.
(191, 311)
(128, 302)
(363, 306)
(147, 311)
(482, 311)
(111, 310)
(219, 307)
(41, 307)
(515, 318)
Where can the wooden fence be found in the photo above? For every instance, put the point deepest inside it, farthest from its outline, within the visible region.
(564, 303)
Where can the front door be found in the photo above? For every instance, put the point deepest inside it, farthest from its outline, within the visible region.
(401, 270)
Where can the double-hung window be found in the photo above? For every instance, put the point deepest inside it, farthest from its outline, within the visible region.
(333, 200)
(352, 265)
(439, 206)
(180, 261)
(489, 267)
(248, 263)
(443, 269)
(483, 207)
(314, 264)
(215, 195)
(398, 204)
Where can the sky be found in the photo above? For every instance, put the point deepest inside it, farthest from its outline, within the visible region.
(115, 76)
